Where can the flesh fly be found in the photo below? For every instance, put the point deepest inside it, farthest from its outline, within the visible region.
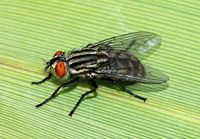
(115, 59)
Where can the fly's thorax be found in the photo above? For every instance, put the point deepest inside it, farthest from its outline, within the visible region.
(85, 60)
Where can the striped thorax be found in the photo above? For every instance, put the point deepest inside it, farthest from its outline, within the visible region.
(81, 62)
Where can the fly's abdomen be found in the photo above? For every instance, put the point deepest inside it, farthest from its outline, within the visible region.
(120, 63)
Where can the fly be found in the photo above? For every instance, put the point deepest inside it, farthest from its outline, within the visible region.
(115, 59)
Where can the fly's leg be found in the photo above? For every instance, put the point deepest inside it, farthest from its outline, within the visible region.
(89, 44)
(56, 91)
(94, 88)
(124, 88)
(133, 94)
(45, 79)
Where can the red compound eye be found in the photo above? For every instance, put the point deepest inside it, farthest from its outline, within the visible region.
(58, 53)
(60, 69)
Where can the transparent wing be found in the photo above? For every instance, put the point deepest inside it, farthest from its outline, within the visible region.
(152, 76)
(135, 42)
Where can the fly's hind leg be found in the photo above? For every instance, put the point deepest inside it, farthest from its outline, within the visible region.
(124, 88)
(133, 94)
(94, 88)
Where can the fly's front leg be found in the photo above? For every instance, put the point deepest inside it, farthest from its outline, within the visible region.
(45, 79)
(94, 88)
(56, 91)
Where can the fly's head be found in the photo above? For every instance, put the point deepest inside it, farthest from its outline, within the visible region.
(58, 65)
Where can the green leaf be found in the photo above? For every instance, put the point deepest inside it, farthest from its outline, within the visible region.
(31, 30)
